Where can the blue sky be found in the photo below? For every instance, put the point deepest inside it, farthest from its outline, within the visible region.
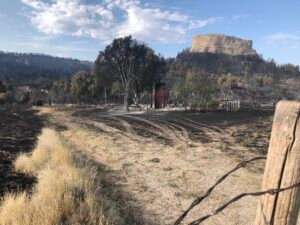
(80, 28)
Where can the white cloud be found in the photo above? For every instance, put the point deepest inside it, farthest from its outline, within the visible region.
(110, 19)
(279, 37)
(240, 17)
(36, 4)
(203, 23)
(70, 17)
(284, 40)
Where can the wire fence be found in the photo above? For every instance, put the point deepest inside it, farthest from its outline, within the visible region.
(220, 208)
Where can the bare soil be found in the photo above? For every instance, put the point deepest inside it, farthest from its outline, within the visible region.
(154, 165)
(19, 128)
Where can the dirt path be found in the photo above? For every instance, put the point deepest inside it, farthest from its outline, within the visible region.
(161, 162)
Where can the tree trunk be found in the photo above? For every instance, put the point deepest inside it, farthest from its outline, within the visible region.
(105, 96)
(137, 98)
(126, 98)
(153, 96)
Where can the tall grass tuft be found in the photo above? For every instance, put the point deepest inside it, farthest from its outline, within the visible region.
(64, 193)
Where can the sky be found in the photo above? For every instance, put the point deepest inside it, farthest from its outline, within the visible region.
(81, 28)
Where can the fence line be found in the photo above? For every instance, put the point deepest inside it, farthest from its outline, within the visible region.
(239, 197)
(282, 174)
(199, 199)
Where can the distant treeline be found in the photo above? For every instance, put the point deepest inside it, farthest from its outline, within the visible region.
(37, 69)
(128, 71)
(199, 79)
(234, 64)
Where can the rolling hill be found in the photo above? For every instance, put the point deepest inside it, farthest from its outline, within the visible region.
(34, 69)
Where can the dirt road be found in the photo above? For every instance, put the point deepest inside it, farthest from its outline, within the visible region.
(155, 164)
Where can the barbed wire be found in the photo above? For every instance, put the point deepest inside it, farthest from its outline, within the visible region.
(240, 196)
(199, 199)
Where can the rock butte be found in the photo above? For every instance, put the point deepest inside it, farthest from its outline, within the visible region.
(222, 44)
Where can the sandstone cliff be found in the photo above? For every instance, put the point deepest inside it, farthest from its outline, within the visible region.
(222, 44)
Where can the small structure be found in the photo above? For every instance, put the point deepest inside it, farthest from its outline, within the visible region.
(230, 105)
(161, 96)
(230, 100)
(21, 94)
(240, 98)
(39, 97)
(30, 95)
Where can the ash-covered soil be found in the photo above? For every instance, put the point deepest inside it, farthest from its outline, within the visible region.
(19, 128)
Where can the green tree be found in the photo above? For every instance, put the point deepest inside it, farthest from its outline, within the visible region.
(81, 86)
(116, 88)
(60, 91)
(104, 76)
(133, 64)
(2, 87)
(194, 89)
(153, 71)
(179, 92)
(201, 89)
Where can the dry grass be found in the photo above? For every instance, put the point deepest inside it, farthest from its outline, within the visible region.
(64, 193)
(163, 180)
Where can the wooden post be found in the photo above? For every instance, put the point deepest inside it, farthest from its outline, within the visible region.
(282, 168)
(153, 96)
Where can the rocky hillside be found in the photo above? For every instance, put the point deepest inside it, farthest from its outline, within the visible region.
(226, 63)
(214, 43)
(219, 54)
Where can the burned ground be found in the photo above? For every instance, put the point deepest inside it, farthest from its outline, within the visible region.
(19, 128)
(157, 163)
(151, 165)
(250, 129)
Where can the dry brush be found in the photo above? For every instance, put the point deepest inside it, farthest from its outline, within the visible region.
(65, 193)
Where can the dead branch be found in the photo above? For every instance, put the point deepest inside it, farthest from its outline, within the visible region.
(240, 196)
(199, 199)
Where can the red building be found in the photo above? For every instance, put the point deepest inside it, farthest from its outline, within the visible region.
(161, 96)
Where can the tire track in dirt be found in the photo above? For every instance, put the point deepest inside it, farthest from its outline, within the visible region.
(161, 179)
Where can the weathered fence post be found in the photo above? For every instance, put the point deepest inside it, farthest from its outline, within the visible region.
(282, 168)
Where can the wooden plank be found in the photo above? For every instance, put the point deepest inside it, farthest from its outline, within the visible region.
(282, 168)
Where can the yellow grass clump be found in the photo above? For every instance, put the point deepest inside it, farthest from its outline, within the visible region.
(48, 152)
(64, 193)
